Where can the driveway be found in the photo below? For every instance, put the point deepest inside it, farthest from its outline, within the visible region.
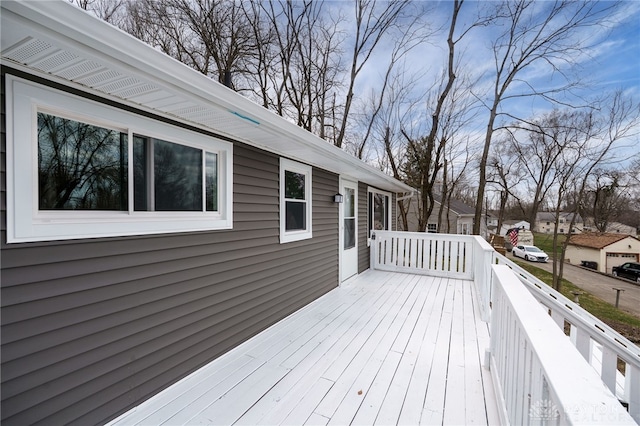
(600, 285)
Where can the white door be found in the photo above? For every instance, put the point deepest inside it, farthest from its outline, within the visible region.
(348, 230)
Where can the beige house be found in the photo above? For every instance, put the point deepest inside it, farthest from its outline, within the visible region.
(545, 223)
(607, 250)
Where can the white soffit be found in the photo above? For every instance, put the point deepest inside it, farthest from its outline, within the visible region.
(57, 39)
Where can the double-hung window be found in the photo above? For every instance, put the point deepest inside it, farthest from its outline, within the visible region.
(379, 211)
(80, 169)
(295, 201)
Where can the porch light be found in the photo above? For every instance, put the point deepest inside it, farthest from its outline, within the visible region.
(338, 198)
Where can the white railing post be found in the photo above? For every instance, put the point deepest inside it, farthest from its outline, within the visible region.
(537, 372)
(483, 258)
(373, 252)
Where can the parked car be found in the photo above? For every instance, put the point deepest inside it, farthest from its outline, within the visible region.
(531, 253)
(630, 270)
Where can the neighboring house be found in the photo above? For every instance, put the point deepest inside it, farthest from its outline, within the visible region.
(607, 250)
(460, 217)
(545, 222)
(612, 228)
(492, 224)
(510, 224)
(154, 219)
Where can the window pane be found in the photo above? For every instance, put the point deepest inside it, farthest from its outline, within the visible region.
(294, 185)
(80, 166)
(141, 173)
(349, 233)
(177, 177)
(349, 202)
(212, 181)
(379, 212)
(296, 216)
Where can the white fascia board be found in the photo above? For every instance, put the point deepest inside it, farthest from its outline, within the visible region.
(91, 36)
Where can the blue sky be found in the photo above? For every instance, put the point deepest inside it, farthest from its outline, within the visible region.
(611, 63)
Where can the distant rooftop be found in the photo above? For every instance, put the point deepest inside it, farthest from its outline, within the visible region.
(596, 240)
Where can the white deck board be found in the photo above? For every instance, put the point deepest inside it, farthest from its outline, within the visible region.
(385, 348)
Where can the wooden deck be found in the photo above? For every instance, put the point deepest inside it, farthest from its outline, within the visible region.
(384, 348)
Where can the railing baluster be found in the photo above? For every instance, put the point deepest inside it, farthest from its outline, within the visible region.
(609, 368)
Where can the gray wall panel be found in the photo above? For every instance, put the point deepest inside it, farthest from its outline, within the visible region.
(91, 328)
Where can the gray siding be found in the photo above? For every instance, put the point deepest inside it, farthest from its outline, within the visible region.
(91, 328)
(363, 224)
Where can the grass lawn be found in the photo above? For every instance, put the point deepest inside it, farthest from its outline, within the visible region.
(624, 323)
(545, 242)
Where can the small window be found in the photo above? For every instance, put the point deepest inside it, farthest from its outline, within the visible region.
(379, 211)
(295, 201)
(432, 228)
(92, 171)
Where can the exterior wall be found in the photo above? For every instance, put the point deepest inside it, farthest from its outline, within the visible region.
(546, 227)
(576, 254)
(91, 328)
(363, 243)
(412, 218)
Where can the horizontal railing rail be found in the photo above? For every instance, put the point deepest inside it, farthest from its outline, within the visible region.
(537, 373)
(614, 357)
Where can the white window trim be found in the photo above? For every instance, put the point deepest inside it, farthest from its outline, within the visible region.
(371, 190)
(293, 166)
(25, 223)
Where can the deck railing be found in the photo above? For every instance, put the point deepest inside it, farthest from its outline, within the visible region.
(615, 359)
(536, 371)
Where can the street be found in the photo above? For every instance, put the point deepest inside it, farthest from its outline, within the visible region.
(599, 285)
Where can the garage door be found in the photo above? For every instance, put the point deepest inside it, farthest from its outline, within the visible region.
(617, 259)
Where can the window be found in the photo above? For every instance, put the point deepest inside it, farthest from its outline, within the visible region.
(432, 228)
(379, 210)
(349, 212)
(98, 171)
(465, 228)
(295, 201)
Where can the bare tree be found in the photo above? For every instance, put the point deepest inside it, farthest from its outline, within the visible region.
(536, 34)
(506, 174)
(373, 19)
(605, 199)
(541, 148)
(107, 10)
(599, 138)
(449, 108)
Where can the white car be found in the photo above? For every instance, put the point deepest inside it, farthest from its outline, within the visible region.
(532, 253)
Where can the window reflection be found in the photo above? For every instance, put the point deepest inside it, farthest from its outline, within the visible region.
(84, 167)
(80, 166)
(177, 177)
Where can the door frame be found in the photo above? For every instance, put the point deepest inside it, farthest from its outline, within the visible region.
(341, 255)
